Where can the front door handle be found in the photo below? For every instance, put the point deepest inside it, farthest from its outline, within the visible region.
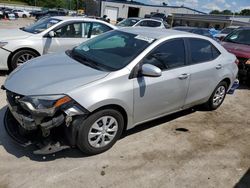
(218, 66)
(183, 76)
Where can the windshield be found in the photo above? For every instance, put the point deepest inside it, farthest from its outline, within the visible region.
(227, 30)
(111, 51)
(239, 37)
(128, 22)
(41, 25)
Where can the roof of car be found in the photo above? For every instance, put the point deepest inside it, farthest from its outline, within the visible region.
(75, 18)
(71, 18)
(155, 33)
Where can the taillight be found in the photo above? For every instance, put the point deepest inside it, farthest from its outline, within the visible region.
(237, 62)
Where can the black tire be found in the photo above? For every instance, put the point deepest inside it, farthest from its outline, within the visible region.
(14, 61)
(210, 104)
(82, 139)
(24, 16)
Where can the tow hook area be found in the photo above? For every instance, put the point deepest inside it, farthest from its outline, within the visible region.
(49, 137)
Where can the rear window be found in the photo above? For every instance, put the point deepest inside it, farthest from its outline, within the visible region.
(202, 51)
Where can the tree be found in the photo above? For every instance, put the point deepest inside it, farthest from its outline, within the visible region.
(224, 12)
(245, 12)
(227, 12)
(215, 12)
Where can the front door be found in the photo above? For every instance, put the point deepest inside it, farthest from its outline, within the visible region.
(67, 37)
(154, 97)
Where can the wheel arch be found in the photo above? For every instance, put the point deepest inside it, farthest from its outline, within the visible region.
(119, 109)
(18, 50)
(228, 81)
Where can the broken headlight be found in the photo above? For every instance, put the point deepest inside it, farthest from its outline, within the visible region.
(44, 105)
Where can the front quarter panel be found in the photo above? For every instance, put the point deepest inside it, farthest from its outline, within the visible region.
(115, 89)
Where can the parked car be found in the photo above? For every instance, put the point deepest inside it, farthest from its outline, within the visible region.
(139, 22)
(50, 13)
(224, 32)
(22, 13)
(112, 83)
(46, 36)
(7, 13)
(129, 22)
(196, 30)
(159, 15)
(238, 43)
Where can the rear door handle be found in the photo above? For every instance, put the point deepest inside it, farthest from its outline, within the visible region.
(219, 66)
(183, 76)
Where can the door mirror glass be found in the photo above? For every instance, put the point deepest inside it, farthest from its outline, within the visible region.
(150, 70)
(51, 34)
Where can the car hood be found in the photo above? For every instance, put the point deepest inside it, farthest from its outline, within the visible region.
(13, 34)
(51, 74)
(240, 50)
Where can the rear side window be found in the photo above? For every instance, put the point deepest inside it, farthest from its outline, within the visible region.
(202, 51)
(149, 23)
(168, 55)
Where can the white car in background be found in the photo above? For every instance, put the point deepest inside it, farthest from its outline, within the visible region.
(140, 22)
(55, 34)
(22, 13)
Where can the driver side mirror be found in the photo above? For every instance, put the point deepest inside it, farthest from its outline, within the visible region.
(52, 34)
(221, 38)
(150, 71)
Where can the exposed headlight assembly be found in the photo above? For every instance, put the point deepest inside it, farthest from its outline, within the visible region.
(2, 44)
(44, 105)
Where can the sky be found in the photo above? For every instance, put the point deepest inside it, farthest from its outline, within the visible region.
(205, 5)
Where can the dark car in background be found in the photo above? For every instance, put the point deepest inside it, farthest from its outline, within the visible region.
(224, 32)
(49, 13)
(238, 43)
(196, 30)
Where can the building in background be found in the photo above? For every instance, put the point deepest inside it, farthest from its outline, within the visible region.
(207, 21)
(125, 9)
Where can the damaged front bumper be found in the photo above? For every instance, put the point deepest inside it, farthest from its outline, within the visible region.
(48, 134)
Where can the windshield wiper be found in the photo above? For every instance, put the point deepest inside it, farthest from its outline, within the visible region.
(83, 59)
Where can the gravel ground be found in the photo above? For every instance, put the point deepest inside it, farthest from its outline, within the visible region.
(12, 24)
(187, 149)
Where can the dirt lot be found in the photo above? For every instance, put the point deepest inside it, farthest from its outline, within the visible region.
(187, 149)
(12, 24)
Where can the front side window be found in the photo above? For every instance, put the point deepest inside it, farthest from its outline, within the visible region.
(169, 55)
(41, 26)
(202, 51)
(111, 51)
(73, 30)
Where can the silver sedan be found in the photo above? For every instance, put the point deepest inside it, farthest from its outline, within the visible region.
(112, 83)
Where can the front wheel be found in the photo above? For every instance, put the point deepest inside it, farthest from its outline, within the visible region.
(21, 57)
(100, 131)
(218, 96)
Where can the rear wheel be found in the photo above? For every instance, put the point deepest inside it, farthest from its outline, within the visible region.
(21, 57)
(218, 96)
(100, 131)
(24, 16)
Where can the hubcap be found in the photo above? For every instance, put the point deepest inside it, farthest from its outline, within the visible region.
(103, 131)
(219, 95)
(23, 58)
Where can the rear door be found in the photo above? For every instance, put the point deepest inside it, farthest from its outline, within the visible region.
(204, 68)
(155, 96)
